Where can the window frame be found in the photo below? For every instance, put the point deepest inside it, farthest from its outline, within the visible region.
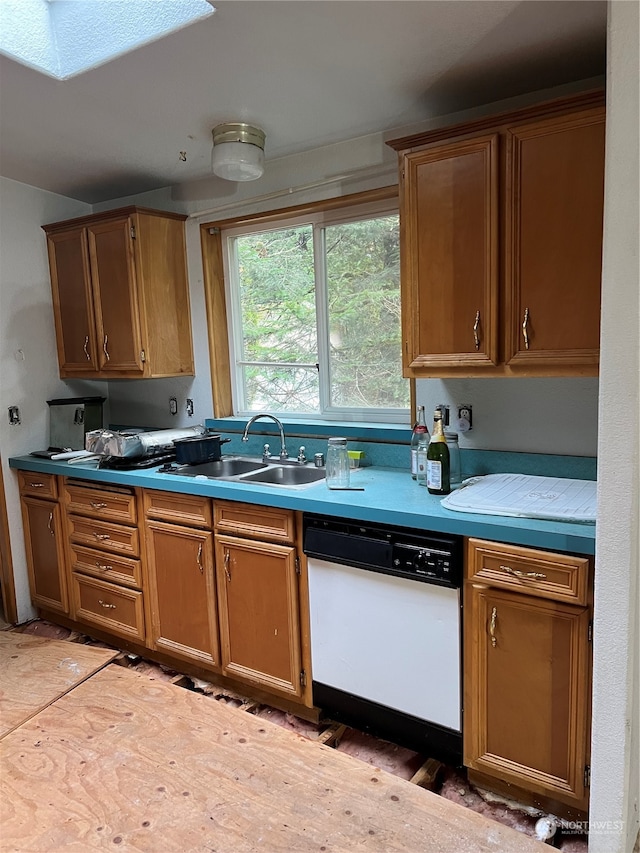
(218, 296)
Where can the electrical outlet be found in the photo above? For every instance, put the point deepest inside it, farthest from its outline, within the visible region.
(14, 415)
(173, 405)
(189, 407)
(465, 421)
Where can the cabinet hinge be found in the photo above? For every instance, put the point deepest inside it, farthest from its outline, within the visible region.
(132, 232)
(587, 776)
(143, 355)
(303, 678)
(297, 565)
(590, 631)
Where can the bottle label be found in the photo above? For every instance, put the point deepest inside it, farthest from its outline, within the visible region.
(414, 461)
(434, 474)
(421, 475)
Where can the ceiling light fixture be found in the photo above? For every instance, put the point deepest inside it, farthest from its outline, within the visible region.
(238, 151)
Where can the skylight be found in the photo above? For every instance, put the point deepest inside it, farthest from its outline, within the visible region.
(63, 38)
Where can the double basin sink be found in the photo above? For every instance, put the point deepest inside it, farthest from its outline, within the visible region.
(244, 469)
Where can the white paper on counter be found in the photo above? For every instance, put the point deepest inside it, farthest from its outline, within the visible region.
(526, 496)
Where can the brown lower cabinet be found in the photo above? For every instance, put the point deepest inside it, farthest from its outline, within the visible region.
(258, 598)
(181, 577)
(44, 541)
(104, 557)
(527, 636)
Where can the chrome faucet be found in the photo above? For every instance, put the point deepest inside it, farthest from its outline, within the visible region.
(245, 435)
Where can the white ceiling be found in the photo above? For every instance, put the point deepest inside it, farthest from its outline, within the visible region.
(308, 72)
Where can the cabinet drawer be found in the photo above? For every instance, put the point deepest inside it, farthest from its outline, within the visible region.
(103, 535)
(108, 606)
(114, 505)
(256, 522)
(105, 566)
(192, 510)
(542, 573)
(40, 485)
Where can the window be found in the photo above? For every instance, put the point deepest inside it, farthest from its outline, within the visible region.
(314, 305)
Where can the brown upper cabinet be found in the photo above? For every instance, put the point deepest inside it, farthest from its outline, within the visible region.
(121, 295)
(501, 243)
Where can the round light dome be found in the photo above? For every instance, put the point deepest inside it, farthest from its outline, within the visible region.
(238, 152)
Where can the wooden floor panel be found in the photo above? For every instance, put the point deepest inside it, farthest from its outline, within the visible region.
(34, 672)
(126, 763)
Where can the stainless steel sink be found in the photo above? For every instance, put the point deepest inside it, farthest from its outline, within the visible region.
(240, 469)
(222, 468)
(280, 475)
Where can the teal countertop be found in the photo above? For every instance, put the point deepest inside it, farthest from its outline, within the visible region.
(390, 496)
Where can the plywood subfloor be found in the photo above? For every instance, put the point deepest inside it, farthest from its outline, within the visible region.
(34, 672)
(129, 764)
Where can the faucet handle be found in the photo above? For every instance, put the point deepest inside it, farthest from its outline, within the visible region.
(266, 453)
(301, 457)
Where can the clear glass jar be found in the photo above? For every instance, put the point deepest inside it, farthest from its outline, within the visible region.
(337, 465)
(455, 472)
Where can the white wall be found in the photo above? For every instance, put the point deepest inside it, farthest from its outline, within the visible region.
(28, 360)
(616, 719)
(524, 415)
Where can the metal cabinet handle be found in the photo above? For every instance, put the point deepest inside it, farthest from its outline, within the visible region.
(476, 326)
(36, 485)
(492, 626)
(106, 605)
(104, 567)
(525, 329)
(86, 347)
(227, 560)
(102, 536)
(199, 559)
(98, 505)
(517, 573)
(104, 347)
(50, 524)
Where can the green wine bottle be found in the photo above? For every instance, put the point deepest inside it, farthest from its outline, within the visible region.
(438, 466)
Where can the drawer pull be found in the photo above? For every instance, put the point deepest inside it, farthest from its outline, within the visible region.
(98, 505)
(492, 626)
(199, 559)
(104, 567)
(517, 573)
(36, 485)
(227, 560)
(476, 326)
(525, 328)
(101, 536)
(106, 605)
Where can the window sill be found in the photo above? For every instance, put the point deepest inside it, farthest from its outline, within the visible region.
(354, 430)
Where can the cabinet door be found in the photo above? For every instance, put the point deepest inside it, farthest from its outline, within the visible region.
(45, 554)
(182, 590)
(555, 195)
(449, 244)
(73, 302)
(259, 613)
(527, 691)
(116, 298)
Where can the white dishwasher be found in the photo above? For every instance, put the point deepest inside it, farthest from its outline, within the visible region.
(385, 631)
